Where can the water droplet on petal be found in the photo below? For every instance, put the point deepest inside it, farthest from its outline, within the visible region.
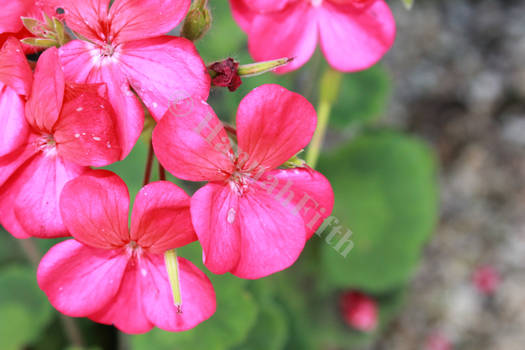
(231, 215)
(80, 109)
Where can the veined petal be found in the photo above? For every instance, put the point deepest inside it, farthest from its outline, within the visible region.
(139, 19)
(191, 143)
(272, 234)
(292, 32)
(10, 163)
(268, 5)
(86, 17)
(215, 216)
(83, 64)
(95, 209)
(308, 191)
(13, 125)
(86, 132)
(197, 294)
(273, 124)
(126, 310)
(164, 70)
(45, 103)
(14, 68)
(80, 280)
(29, 202)
(354, 39)
(161, 218)
(242, 14)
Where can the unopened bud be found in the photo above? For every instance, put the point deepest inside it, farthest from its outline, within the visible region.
(48, 33)
(359, 311)
(198, 21)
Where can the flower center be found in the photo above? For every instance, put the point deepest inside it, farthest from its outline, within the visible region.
(133, 249)
(239, 182)
(316, 3)
(47, 144)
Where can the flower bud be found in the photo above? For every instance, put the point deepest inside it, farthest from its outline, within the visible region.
(49, 33)
(359, 311)
(198, 21)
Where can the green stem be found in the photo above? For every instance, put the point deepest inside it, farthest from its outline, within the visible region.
(328, 93)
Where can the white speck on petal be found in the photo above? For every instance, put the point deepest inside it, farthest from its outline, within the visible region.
(80, 109)
(155, 104)
(77, 136)
(144, 272)
(96, 138)
(231, 215)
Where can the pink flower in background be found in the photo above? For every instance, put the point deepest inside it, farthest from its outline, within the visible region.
(359, 311)
(115, 275)
(66, 129)
(438, 341)
(486, 279)
(252, 219)
(354, 34)
(127, 48)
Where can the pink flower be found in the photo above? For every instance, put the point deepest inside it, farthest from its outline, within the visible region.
(354, 34)
(115, 275)
(486, 279)
(252, 219)
(438, 341)
(126, 48)
(359, 311)
(66, 129)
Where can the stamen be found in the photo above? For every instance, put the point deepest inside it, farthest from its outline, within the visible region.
(172, 266)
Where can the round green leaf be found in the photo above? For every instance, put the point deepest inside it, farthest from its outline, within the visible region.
(386, 194)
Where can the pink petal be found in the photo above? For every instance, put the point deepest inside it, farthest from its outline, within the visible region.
(13, 124)
(355, 39)
(242, 14)
(272, 234)
(191, 143)
(292, 32)
(86, 17)
(10, 163)
(83, 64)
(268, 5)
(86, 131)
(198, 296)
(14, 69)
(214, 210)
(161, 218)
(273, 124)
(309, 192)
(29, 202)
(80, 280)
(95, 209)
(140, 19)
(163, 71)
(126, 310)
(10, 16)
(45, 103)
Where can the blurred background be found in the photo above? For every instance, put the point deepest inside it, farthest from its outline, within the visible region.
(426, 156)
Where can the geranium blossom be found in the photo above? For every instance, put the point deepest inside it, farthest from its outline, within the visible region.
(354, 34)
(125, 48)
(252, 219)
(116, 275)
(66, 129)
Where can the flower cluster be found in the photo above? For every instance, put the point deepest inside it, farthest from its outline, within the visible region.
(83, 106)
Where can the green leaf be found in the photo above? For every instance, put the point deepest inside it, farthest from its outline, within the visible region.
(24, 309)
(270, 330)
(386, 194)
(363, 97)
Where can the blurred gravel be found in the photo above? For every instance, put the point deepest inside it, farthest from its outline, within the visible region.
(459, 76)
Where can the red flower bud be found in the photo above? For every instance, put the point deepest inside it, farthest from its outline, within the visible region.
(486, 279)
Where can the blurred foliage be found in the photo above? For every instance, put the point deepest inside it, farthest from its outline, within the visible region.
(385, 192)
(24, 309)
